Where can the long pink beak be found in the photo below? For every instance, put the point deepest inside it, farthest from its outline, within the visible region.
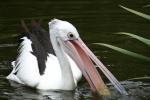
(82, 56)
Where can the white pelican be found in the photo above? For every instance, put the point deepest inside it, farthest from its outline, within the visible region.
(57, 60)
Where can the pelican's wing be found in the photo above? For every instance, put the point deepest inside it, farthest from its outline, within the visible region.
(41, 45)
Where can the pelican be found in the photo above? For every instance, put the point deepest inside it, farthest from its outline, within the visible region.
(56, 60)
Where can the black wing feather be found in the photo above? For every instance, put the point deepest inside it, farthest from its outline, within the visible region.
(41, 44)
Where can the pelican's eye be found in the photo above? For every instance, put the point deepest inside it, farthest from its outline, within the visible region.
(70, 35)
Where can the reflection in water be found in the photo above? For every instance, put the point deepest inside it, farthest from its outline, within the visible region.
(18, 92)
(58, 95)
(137, 91)
(7, 45)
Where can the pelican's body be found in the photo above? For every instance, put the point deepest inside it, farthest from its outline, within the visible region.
(28, 72)
(26, 69)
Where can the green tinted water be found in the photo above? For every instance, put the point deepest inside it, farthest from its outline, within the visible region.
(95, 20)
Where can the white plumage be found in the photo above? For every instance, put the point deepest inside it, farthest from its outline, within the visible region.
(28, 72)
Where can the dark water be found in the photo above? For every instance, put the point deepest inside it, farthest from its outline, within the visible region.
(95, 20)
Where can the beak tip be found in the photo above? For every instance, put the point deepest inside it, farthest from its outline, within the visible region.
(104, 92)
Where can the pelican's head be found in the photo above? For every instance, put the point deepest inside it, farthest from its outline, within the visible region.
(63, 29)
(68, 37)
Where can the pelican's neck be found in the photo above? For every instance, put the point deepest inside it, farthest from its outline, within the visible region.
(67, 75)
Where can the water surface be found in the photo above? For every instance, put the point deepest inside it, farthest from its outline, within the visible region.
(96, 21)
